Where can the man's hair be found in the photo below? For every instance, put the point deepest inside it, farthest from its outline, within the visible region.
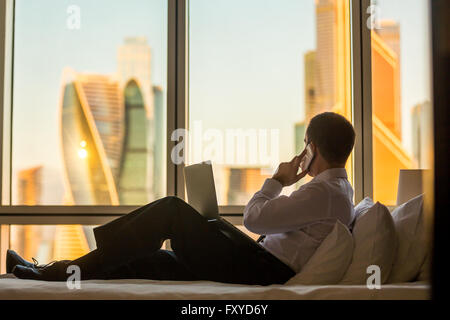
(333, 135)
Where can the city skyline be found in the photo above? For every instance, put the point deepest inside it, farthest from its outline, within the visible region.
(64, 48)
(110, 128)
(327, 88)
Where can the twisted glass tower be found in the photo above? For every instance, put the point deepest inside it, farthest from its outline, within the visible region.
(104, 141)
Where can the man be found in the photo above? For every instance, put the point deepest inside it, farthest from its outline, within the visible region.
(294, 226)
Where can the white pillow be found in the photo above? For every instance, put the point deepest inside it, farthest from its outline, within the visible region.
(412, 241)
(375, 244)
(330, 261)
(425, 270)
(362, 208)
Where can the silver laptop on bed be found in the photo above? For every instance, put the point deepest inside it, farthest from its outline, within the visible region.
(201, 193)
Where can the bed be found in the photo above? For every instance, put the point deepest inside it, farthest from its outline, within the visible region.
(17, 289)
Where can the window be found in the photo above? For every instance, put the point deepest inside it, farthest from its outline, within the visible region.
(258, 72)
(51, 242)
(401, 93)
(88, 124)
(91, 91)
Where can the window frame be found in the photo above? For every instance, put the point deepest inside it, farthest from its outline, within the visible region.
(362, 99)
(56, 214)
(177, 117)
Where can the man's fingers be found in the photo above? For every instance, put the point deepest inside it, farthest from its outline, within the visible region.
(297, 162)
(303, 154)
(301, 175)
(299, 158)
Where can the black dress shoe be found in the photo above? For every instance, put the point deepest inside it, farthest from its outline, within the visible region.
(24, 272)
(56, 271)
(13, 259)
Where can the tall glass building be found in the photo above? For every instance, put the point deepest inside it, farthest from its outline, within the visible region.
(133, 183)
(104, 141)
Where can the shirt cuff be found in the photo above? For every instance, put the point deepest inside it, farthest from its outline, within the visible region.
(272, 188)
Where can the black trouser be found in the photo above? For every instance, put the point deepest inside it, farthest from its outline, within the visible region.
(130, 248)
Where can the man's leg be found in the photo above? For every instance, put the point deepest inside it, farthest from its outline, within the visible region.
(128, 238)
(219, 258)
(141, 232)
(203, 249)
(161, 265)
(199, 246)
(106, 233)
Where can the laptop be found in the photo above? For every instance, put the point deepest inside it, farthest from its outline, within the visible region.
(201, 193)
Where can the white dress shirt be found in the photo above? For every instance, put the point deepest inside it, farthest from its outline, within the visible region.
(296, 225)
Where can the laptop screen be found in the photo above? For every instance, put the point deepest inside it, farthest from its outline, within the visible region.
(201, 191)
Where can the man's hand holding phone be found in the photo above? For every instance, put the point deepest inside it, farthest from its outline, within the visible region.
(286, 173)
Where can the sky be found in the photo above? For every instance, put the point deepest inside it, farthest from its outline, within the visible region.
(246, 64)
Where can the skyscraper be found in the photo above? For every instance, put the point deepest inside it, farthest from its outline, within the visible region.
(134, 62)
(45, 242)
(310, 85)
(422, 139)
(389, 154)
(27, 237)
(159, 143)
(333, 57)
(29, 188)
(328, 88)
(134, 186)
(386, 67)
(91, 137)
(69, 243)
(386, 91)
(105, 141)
(389, 31)
(328, 68)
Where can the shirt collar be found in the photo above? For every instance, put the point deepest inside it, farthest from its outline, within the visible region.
(331, 174)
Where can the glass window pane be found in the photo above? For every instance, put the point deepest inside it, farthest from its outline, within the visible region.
(51, 242)
(258, 72)
(89, 102)
(46, 243)
(401, 93)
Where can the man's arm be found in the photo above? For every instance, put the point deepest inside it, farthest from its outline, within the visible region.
(270, 190)
(269, 213)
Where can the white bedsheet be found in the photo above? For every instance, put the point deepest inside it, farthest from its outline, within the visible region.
(12, 288)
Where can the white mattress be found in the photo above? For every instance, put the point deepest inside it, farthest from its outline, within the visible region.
(12, 288)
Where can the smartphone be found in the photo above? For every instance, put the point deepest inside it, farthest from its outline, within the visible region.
(309, 157)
